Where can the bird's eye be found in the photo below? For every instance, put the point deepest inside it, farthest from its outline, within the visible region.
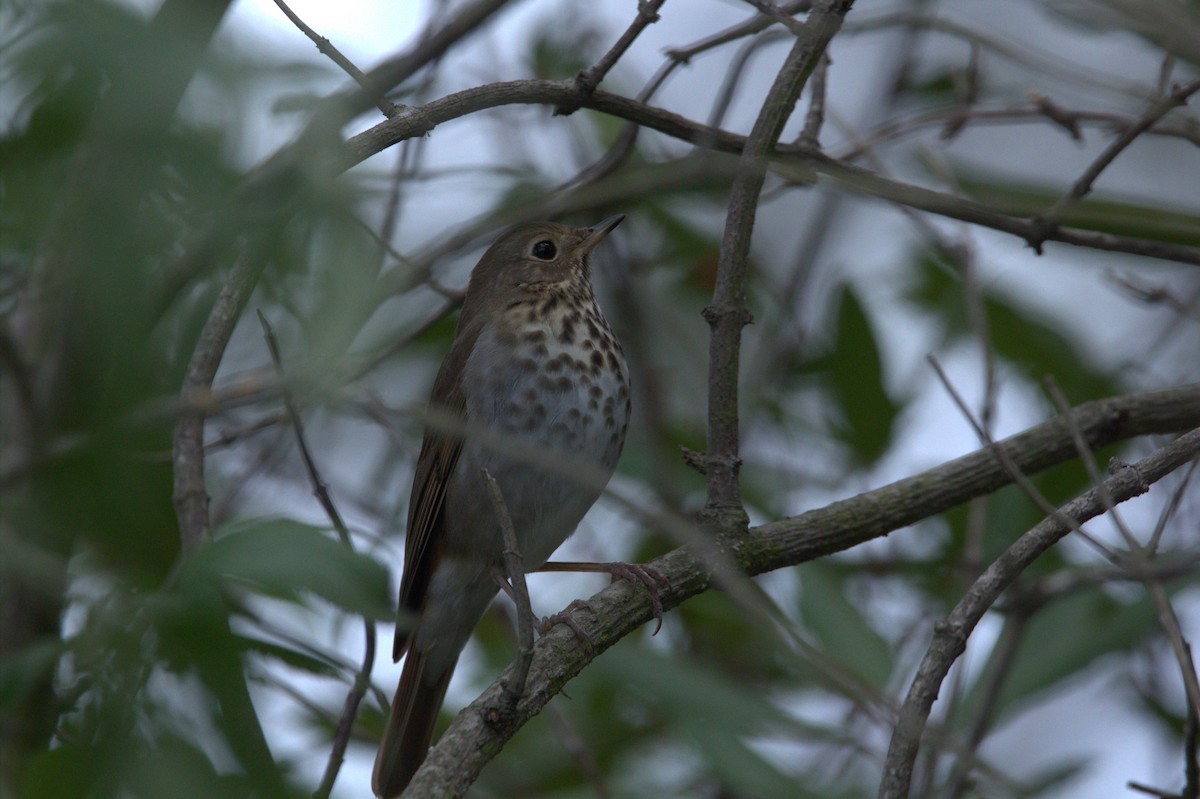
(545, 250)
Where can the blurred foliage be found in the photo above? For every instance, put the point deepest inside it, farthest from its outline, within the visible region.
(127, 670)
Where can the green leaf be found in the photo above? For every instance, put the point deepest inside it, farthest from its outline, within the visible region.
(1069, 635)
(284, 558)
(856, 371)
(26, 671)
(714, 712)
(177, 768)
(289, 656)
(1020, 337)
(63, 772)
(1118, 217)
(843, 631)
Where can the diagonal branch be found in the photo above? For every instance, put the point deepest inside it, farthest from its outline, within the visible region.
(481, 729)
(950, 636)
(788, 159)
(330, 50)
(1083, 186)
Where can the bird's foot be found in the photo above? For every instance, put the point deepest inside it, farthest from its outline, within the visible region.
(651, 579)
(564, 617)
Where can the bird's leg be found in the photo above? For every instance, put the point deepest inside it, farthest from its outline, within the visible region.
(650, 579)
(513, 584)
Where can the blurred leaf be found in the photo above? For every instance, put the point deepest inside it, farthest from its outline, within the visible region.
(281, 558)
(175, 768)
(560, 51)
(1167, 24)
(716, 713)
(1021, 338)
(63, 773)
(696, 245)
(855, 371)
(843, 631)
(1055, 777)
(1066, 637)
(720, 634)
(940, 86)
(288, 656)
(25, 671)
(741, 770)
(1157, 223)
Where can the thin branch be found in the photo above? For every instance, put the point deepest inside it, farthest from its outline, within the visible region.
(1011, 468)
(950, 636)
(751, 26)
(811, 135)
(327, 48)
(676, 57)
(1137, 560)
(734, 71)
(1041, 108)
(1083, 186)
(777, 14)
(362, 678)
(789, 160)
(647, 15)
(190, 492)
(727, 314)
(430, 46)
(999, 664)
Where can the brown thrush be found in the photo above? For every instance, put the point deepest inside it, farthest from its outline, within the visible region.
(533, 358)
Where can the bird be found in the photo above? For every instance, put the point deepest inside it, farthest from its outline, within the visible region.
(534, 360)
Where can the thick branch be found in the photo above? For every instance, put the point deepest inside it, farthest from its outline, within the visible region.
(480, 730)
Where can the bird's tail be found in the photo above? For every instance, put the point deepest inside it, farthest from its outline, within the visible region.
(410, 726)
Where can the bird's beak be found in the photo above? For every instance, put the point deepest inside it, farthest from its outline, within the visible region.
(597, 232)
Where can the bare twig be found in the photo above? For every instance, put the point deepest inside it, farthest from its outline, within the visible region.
(999, 663)
(777, 14)
(1083, 186)
(430, 46)
(815, 118)
(727, 314)
(950, 636)
(735, 71)
(327, 48)
(190, 492)
(789, 160)
(647, 15)
(362, 678)
(1136, 560)
(751, 26)
(1014, 471)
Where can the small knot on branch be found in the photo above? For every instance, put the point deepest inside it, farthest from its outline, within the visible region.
(569, 107)
(1040, 229)
(1116, 467)
(739, 314)
(697, 461)
(1056, 114)
(703, 462)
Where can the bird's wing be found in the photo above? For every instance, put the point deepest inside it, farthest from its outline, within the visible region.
(435, 466)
